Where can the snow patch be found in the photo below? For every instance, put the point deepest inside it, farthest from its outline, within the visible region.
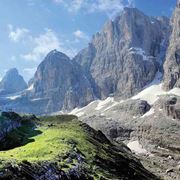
(79, 114)
(31, 87)
(36, 99)
(103, 103)
(96, 106)
(150, 112)
(136, 147)
(152, 92)
(14, 97)
(139, 51)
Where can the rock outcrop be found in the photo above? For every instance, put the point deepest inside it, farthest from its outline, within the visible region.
(12, 83)
(172, 62)
(170, 105)
(126, 55)
(8, 122)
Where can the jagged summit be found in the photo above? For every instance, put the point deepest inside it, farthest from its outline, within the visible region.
(126, 55)
(61, 83)
(56, 55)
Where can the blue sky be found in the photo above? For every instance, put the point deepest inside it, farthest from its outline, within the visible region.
(29, 29)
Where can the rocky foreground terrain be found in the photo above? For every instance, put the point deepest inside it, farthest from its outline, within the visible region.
(151, 131)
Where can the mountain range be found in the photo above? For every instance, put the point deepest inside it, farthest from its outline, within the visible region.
(126, 83)
(119, 61)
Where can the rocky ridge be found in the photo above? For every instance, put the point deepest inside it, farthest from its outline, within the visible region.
(172, 62)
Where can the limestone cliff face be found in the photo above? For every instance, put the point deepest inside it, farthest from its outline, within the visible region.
(12, 82)
(172, 62)
(126, 54)
(61, 82)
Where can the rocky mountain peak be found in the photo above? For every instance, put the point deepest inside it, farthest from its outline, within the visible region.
(126, 55)
(60, 83)
(12, 72)
(12, 82)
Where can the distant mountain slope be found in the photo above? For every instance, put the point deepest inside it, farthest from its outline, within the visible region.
(12, 82)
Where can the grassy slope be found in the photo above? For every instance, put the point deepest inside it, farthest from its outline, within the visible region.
(52, 141)
(57, 136)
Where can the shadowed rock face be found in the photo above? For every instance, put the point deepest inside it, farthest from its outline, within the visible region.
(61, 82)
(12, 82)
(126, 54)
(172, 63)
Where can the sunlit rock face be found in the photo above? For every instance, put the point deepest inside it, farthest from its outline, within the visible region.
(126, 54)
(12, 82)
(172, 63)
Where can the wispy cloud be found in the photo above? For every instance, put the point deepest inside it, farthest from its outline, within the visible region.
(81, 35)
(110, 7)
(44, 43)
(17, 34)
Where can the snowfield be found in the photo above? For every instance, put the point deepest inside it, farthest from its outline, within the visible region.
(97, 105)
(152, 92)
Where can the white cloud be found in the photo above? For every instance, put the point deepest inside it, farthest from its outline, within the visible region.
(81, 35)
(72, 5)
(110, 7)
(45, 43)
(17, 34)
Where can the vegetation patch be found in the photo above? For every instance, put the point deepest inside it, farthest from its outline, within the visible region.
(61, 146)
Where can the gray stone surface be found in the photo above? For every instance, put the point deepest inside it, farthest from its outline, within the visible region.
(172, 62)
(157, 129)
(126, 54)
(61, 81)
